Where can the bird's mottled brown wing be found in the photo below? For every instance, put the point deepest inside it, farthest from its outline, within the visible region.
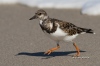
(68, 27)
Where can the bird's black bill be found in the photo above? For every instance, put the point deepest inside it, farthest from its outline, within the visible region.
(34, 17)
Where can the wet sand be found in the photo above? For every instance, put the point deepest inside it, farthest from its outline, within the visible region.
(22, 42)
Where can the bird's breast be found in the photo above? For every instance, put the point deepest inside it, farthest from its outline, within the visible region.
(49, 27)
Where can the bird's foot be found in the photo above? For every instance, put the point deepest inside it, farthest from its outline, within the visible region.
(51, 50)
(77, 55)
(48, 52)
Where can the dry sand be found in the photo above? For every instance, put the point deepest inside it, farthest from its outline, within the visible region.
(22, 42)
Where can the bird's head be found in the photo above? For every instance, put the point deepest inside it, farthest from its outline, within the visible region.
(40, 14)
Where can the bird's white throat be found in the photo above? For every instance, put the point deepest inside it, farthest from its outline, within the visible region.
(41, 21)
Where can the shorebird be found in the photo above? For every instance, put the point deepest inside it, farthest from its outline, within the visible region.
(59, 30)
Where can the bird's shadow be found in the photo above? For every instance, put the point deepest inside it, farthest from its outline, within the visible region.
(41, 54)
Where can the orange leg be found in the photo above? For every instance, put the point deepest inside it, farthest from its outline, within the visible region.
(77, 49)
(52, 49)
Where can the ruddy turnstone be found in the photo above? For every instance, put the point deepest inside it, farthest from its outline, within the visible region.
(59, 30)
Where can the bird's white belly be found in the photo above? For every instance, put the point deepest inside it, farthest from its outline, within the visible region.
(69, 38)
(60, 35)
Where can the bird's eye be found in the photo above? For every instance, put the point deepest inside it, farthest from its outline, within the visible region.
(39, 13)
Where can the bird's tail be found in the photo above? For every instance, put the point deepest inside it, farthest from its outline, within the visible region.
(88, 30)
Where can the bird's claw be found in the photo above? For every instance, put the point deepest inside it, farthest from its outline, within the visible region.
(48, 52)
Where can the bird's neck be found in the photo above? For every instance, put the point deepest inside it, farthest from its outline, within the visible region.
(44, 19)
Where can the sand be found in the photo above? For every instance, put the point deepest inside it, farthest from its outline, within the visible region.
(22, 42)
